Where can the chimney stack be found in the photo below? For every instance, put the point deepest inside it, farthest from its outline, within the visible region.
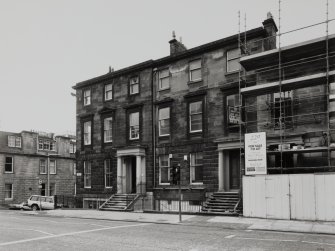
(175, 45)
(271, 32)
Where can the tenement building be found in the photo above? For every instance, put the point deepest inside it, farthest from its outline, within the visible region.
(138, 124)
(35, 163)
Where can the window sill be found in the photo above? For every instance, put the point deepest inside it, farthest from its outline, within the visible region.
(194, 81)
(164, 184)
(166, 136)
(87, 187)
(197, 184)
(9, 172)
(8, 199)
(165, 89)
(232, 72)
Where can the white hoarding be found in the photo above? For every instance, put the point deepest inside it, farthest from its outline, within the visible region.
(255, 153)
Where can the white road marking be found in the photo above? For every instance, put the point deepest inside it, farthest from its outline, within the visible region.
(29, 229)
(230, 236)
(98, 225)
(69, 234)
(52, 221)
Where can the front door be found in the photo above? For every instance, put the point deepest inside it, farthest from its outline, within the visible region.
(130, 174)
(234, 169)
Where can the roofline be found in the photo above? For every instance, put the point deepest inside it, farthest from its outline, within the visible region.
(287, 47)
(155, 63)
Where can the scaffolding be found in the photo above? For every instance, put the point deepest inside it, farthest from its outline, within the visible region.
(292, 99)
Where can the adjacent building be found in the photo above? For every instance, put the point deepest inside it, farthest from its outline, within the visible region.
(135, 124)
(36, 163)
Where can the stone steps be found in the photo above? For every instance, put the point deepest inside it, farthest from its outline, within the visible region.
(222, 203)
(119, 202)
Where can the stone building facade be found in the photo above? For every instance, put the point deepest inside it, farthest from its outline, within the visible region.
(26, 158)
(135, 124)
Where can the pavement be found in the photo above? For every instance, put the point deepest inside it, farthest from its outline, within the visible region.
(226, 222)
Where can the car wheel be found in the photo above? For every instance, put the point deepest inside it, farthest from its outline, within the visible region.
(34, 207)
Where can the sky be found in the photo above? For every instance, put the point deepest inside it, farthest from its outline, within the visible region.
(47, 46)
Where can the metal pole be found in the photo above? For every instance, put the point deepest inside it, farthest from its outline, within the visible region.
(48, 175)
(179, 192)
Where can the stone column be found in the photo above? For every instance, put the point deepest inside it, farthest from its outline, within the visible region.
(124, 173)
(138, 174)
(221, 171)
(144, 182)
(119, 175)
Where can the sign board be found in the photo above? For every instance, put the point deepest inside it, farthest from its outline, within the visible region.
(39, 186)
(255, 153)
(233, 115)
(40, 181)
(78, 174)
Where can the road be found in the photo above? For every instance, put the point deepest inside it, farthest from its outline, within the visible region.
(29, 232)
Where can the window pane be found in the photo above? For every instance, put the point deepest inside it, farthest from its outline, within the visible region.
(164, 168)
(164, 73)
(134, 125)
(134, 85)
(87, 133)
(87, 97)
(8, 191)
(40, 144)
(134, 88)
(17, 141)
(164, 113)
(108, 129)
(108, 173)
(195, 74)
(164, 127)
(165, 175)
(195, 64)
(196, 107)
(11, 141)
(196, 167)
(42, 166)
(87, 174)
(231, 54)
(52, 167)
(233, 65)
(196, 122)
(164, 83)
(9, 164)
(108, 91)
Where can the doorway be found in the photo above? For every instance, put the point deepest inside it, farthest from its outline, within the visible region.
(43, 189)
(130, 163)
(234, 169)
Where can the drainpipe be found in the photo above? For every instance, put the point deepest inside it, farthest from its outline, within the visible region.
(153, 72)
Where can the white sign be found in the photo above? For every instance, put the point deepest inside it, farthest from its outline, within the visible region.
(255, 153)
(78, 174)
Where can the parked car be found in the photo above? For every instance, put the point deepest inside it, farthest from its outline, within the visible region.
(20, 206)
(36, 202)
